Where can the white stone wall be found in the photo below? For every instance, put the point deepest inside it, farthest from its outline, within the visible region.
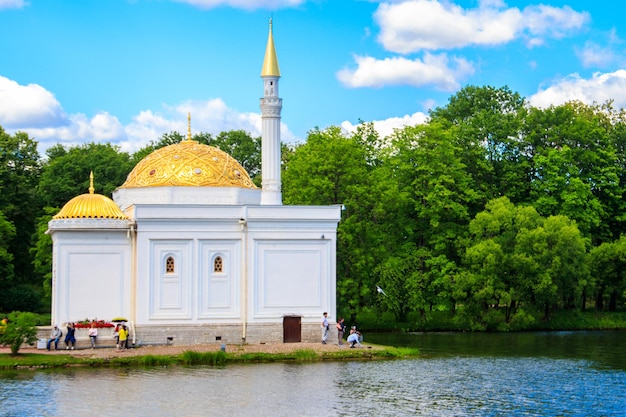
(91, 276)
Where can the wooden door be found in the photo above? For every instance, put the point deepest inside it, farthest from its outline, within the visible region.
(292, 329)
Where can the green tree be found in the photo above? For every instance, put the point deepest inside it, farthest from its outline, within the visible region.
(495, 277)
(555, 252)
(489, 124)
(427, 209)
(165, 140)
(576, 168)
(66, 175)
(607, 263)
(19, 173)
(42, 251)
(20, 329)
(7, 233)
(332, 168)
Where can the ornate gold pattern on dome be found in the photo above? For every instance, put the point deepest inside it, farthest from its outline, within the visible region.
(90, 206)
(270, 62)
(188, 164)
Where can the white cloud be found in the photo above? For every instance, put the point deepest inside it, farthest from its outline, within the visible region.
(12, 4)
(28, 105)
(243, 4)
(77, 129)
(594, 55)
(556, 22)
(386, 127)
(599, 88)
(414, 25)
(434, 70)
(34, 110)
(211, 116)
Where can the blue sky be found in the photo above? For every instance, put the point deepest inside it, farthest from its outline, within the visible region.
(127, 71)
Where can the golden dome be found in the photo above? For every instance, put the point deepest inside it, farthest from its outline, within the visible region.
(90, 206)
(188, 164)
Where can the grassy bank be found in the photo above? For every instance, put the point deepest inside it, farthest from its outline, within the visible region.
(190, 357)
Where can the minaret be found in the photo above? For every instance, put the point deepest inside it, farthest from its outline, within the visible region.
(271, 106)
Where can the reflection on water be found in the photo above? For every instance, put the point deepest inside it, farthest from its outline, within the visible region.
(489, 376)
(604, 348)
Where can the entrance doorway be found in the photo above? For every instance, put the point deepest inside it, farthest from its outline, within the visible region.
(292, 332)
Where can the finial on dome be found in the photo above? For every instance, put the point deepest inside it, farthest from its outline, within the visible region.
(91, 189)
(189, 126)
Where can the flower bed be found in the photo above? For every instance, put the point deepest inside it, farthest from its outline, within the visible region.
(100, 324)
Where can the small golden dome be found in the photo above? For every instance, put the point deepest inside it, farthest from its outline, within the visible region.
(90, 206)
(189, 164)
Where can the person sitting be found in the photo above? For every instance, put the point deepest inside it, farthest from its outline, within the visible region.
(355, 338)
(70, 338)
(55, 336)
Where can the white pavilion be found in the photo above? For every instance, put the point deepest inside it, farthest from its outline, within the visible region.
(189, 250)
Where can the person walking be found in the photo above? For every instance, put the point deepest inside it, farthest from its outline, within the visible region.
(324, 327)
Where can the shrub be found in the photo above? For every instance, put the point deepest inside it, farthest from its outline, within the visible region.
(20, 329)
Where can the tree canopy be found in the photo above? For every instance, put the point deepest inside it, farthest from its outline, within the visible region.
(492, 212)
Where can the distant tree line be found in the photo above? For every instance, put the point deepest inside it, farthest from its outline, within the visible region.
(493, 212)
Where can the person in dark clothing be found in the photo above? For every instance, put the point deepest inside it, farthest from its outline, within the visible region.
(70, 336)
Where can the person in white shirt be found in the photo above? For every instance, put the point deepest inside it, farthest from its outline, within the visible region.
(324, 327)
(93, 334)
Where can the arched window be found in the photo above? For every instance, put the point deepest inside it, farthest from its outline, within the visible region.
(169, 265)
(218, 264)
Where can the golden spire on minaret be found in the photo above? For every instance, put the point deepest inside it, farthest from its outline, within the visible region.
(189, 126)
(270, 63)
(91, 189)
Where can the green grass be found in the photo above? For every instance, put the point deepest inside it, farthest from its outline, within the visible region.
(189, 358)
(305, 355)
(156, 360)
(37, 360)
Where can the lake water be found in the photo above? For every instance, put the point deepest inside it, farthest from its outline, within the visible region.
(530, 374)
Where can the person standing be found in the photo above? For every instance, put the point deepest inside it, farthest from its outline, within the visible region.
(324, 327)
(55, 336)
(93, 334)
(123, 336)
(116, 335)
(341, 328)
